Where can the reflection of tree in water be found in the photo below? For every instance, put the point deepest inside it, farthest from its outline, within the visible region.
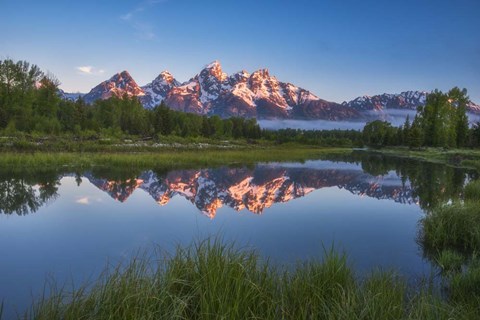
(431, 183)
(28, 193)
(427, 183)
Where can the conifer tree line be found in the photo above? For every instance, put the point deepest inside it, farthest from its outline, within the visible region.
(442, 122)
(30, 103)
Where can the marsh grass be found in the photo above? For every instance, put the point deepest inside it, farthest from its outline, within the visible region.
(465, 286)
(472, 191)
(450, 261)
(467, 158)
(211, 280)
(171, 159)
(450, 235)
(453, 227)
(475, 164)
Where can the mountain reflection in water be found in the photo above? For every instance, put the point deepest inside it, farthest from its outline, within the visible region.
(251, 188)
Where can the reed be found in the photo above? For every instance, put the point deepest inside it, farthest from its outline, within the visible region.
(211, 280)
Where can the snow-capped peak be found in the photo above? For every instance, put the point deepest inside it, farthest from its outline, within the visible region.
(213, 64)
(212, 91)
(262, 73)
(157, 90)
(118, 85)
(213, 69)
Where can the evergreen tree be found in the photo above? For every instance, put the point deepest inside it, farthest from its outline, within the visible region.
(415, 134)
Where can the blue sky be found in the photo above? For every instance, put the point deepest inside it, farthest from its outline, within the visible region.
(336, 49)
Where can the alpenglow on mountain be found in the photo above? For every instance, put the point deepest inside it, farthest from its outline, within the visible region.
(259, 95)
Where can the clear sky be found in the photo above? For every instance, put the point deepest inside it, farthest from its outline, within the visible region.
(337, 49)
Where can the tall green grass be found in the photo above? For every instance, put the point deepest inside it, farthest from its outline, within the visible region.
(472, 191)
(164, 158)
(455, 227)
(211, 280)
(450, 235)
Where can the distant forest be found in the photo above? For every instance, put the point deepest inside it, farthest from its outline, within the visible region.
(30, 104)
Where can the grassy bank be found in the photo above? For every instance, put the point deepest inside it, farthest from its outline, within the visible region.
(468, 158)
(213, 281)
(450, 237)
(169, 158)
(127, 143)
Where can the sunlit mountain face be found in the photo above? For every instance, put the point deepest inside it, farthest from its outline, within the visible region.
(253, 189)
(256, 189)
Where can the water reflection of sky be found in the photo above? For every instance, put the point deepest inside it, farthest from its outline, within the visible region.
(74, 235)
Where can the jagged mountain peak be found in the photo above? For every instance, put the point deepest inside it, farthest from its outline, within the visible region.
(408, 100)
(123, 73)
(212, 91)
(118, 85)
(122, 78)
(261, 73)
(213, 64)
(242, 73)
(165, 77)
(157, 90)
(239, 77)
(213, 69)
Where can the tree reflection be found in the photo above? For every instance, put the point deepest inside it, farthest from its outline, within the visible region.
(254, 188)
(431, 183)
(28, 193)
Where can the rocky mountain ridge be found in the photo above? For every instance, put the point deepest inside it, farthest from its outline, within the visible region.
(244, 94)
(254, 189)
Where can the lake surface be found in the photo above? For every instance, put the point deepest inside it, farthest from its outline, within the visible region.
(68, 225)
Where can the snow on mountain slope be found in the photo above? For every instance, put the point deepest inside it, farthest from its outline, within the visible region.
(157, 90)
(252, 189)
(259, 95)
(118, 85)
(69, 96)
(213, 92)
(405, 100)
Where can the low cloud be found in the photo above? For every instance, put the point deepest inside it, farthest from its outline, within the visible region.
(89, 70)
(311, 124)
(395, 116)
(87, 200)
(84, 201)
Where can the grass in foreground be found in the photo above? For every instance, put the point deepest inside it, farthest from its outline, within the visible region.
(455, 227)
(211, 280)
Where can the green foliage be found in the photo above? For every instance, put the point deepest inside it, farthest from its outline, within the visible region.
(465, 286)
(379, 133)
(472, 191)
(453, 227)
(475, 135)
(443, 119)
(442, 122)
(211, 280)
(330, 138)
(450, 260)
(30, 102)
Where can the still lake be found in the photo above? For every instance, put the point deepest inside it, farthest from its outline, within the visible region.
(68, 225)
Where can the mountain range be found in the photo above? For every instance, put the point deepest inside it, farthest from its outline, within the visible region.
(254, 189)
(259, 95)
